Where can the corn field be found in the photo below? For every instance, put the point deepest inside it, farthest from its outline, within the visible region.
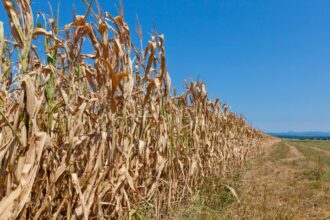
(90, 127)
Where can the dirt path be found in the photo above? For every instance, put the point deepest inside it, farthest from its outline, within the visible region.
(297, 155)
(282, 184)
(322, 151)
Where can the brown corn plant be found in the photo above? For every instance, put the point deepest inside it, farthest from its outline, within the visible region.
(112, 140)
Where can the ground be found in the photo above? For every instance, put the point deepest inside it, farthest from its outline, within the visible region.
(290, 180)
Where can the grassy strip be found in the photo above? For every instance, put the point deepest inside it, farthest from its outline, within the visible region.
(211, 200)
(281, 150)
(323, 145)
(313, 155)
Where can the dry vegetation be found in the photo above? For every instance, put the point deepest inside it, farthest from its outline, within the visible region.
(89, 128)
(291, 180)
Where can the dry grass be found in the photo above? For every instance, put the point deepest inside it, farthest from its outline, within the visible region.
(96, 134)
(283, 186)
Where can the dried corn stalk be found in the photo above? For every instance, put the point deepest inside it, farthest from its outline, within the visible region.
(97, 134)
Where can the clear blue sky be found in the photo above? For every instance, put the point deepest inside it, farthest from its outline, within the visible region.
(270, 60)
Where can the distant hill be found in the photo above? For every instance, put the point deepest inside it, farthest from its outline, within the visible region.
(302, 135)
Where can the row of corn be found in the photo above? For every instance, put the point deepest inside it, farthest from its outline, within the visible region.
(89, 125)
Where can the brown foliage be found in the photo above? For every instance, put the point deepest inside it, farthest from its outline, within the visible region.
(98, 134)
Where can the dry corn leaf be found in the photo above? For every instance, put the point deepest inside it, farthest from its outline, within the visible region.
(75, 182)
(14, 21)
(30, 96)
(11, 206)
(2, 42)
(115, 126)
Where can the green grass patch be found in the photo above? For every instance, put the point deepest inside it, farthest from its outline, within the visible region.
(315, 185)
(320, 170)
(321, 144)
(281, 150)
(313, 155)
(216, 196)
(212, 198)
(326, 175)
